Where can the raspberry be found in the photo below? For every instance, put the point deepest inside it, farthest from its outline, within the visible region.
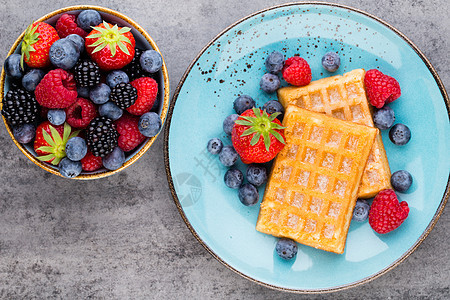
(130, 136)
(386, 213)
(90, 162)
(296, 71)
(147, 90)
(81, 113)
(56, 90)
(67, 25)
(381, 88)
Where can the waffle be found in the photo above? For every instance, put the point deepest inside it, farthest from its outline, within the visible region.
(314, 181)
(344, 97)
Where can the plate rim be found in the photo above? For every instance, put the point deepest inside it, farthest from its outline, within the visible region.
(173, 101)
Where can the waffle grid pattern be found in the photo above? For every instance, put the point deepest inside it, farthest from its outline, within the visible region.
(312, 188)
(344, 97)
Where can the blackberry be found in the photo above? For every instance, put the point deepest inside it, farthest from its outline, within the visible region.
(20, 107)
(101, 136)
(87, 73)
(134, 69)
(123, 95)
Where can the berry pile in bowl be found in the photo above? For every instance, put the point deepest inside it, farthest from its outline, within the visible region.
(85, 92)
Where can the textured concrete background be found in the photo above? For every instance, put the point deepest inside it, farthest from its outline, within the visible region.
(122, 237)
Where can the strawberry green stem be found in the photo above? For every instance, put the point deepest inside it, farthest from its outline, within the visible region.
(261, 125)
(110, 36)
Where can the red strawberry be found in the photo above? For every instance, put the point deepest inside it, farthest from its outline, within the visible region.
(67, 25)
(56, 90)
(381, 88)
(50, 141)
(90, 162)
(296, 71)
(111, 47)
(147, 90)
(130, 136)
(81, 113)
(36, 43)
(257, 137)
(386, 213)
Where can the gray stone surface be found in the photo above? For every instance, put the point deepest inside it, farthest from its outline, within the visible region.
(122, 237)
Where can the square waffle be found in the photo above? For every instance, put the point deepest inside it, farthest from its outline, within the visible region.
(314, 181)
(344, 97)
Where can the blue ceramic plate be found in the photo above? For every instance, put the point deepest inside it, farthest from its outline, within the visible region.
(232, 64)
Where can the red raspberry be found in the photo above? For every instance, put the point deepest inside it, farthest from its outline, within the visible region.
(147, 90)
(130, 136)
(90, 162)
(386, 213)
(67, 24)
(81, 113)
(56, 90)
(296, 71)
(381, 88)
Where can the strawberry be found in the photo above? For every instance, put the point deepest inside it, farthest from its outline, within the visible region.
(90, 162)
(381, 88)
(50, 141)
(36, 43)
(386, 212)
(257, 137)
(111, 47)
(147, 90)
(130, 136)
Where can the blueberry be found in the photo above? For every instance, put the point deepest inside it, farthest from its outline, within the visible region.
(114, 160)
(76, 148)
(32, 78)
(83, 91)
(331, 61)
(110, 110)
(384, 117)
(24, 133)
(400, 134)
(12, 66)
(64, 54)
(233, 178)
(273, 106)
(115, 77)
(248, 194)
(361, 210)
(88, 18)
(56, 116)
(286, 248)
(69, 168)
(228, 123)
(228, 156)
(401, 180)
(242, 103)
(214, 146)
(274, 62)
(151, 61)
(269, 83)
(100, 93)
(256, 174)
(149, 124)
(77, 40)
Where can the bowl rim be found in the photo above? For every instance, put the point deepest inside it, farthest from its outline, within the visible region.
(429, 228)
(164, 109)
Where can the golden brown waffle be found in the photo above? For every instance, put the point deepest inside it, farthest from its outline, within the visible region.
(344, 97)
(314, 181)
